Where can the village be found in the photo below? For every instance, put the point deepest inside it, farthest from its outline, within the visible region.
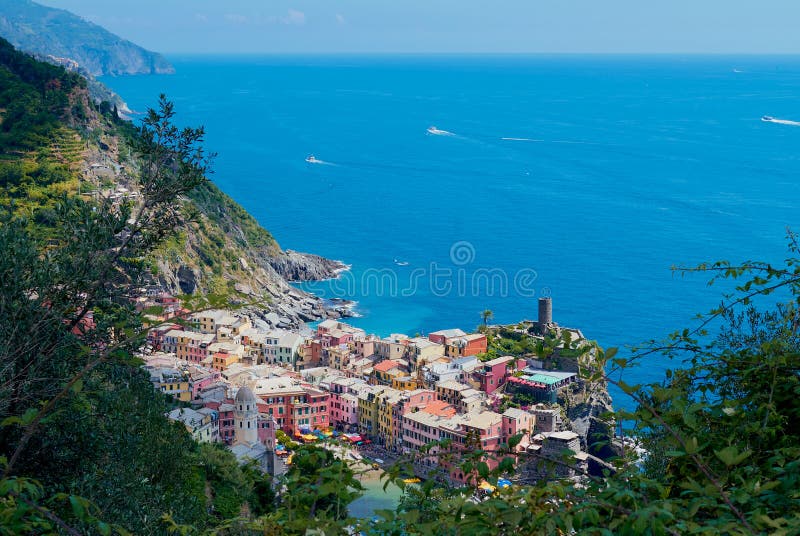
(246, 385)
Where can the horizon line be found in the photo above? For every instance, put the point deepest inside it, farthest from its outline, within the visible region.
(469, 53)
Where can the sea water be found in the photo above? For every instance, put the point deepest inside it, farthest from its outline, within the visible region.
(581, 178)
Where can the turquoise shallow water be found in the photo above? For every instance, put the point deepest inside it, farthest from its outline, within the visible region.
(375, 497)
(619, 167)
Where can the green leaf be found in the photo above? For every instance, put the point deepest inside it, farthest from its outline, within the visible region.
(731, 456)
(27, 417)
(77, 507)
(77, 386)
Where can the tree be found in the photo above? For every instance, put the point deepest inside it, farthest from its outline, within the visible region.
(73, 401)
(318, 488)
(486, 315)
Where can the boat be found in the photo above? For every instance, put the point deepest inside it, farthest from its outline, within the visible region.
(312, 160)
(767, 118)
(400, 263)
(438, 132)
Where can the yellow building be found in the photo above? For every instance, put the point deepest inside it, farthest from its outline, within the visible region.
(404, 383)
(384, 372)
(172, 382)
(223, 360)
(368, 410)
(385, 401)
(193, 346)
(179, 390)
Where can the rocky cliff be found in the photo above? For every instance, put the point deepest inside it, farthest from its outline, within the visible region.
(224, 249)
(588, 408)
(46, 31)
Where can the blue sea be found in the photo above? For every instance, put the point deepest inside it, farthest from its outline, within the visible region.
(582, 178)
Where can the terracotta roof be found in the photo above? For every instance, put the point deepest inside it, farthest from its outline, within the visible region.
(440, 408)
(385, 366)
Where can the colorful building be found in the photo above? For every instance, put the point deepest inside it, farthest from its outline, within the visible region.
(293, 405)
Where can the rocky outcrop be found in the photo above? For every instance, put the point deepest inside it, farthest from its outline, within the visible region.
(202, 261)
(47, 31)
(296, 266)
(225, 249)
(588, 406)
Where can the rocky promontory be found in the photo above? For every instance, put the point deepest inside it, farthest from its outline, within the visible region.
(295, 266)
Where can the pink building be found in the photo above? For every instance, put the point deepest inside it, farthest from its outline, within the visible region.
(419, 429)
(266, 431)
(335, 338)
(200, 379)
(411, 401)
(226, 416)
(440, 337)
(517, 421)
(482, 430)
(344, 403)
(493, 374)
(295, 407)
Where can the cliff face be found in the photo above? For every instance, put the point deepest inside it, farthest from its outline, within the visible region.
(46, 31)
(295, 266)
(225, 249)
(587, 406)
(222, 249)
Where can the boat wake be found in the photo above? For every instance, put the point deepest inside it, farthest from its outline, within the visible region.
(438, 132)
(313, 160)
(519, 139)
(768, 119)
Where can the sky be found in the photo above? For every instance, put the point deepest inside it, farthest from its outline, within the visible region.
(449, 26)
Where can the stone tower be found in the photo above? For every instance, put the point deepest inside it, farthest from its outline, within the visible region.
(245, 417)
(545, 322)
(545, 311)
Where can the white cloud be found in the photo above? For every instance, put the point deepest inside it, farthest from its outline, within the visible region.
(340, 18)
(236, 18)
(297, 18)
(201, 17)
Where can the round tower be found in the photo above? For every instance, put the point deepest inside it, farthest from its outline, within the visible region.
(245, 417)
(545, 311)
